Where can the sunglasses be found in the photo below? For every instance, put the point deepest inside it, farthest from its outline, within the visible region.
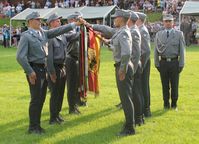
(167, 21)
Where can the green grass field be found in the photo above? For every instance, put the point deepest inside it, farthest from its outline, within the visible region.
(101, 120)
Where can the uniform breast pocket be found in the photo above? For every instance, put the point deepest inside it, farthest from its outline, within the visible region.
(57, 49)
(174, 43)
(115, 42)
(34, 43)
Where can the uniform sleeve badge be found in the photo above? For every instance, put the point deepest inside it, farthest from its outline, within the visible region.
(124, 37)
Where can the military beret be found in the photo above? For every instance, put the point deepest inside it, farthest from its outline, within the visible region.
(133, 16)
(33, 15)
(53, 17)
(121, 13)
(141, 16)
(75, 15)
(167, 17)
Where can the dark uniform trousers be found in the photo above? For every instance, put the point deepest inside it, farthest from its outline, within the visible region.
(57, 90)
(125, 92)
(169, 73)
(72, 81)
(137, 95)
(145, 86)
(38, 95)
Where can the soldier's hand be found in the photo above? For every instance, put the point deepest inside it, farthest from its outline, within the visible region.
(107, 41)
(79, 21)
(122, 75)
(86, 23)
(53, 77)
(32, 78)
(180, 69)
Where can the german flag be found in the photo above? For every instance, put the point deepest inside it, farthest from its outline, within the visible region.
(93, 61)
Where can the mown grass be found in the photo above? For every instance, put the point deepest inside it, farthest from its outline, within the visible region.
(100, 121)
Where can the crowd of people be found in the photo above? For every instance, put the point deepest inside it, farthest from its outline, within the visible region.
(165, 6)
(171, 6)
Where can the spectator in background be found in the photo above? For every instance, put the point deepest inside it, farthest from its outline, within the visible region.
(193, 30)
(76, 3)
(56, 4)
(1, 7)
(24, 27)
(6, 35)
(197, 32)
(18, 8)
(38, 5)
(12, 11)
(1, 35)
(185, 27)
(60, 4)
(22, 5)
(32, 4)
(87, 2)
(72, 3)
(48, 4)
(66, 3)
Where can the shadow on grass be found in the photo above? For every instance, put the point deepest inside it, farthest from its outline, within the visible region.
(99, 136)
(159, 112)
(16, 131)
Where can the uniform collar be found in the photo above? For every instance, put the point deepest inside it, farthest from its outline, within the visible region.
(170, 30)
(133, 27)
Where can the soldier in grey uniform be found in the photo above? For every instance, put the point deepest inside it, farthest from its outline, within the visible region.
(185, 27)
(121, 41)
(145, 62)
(31, 55)
(56, 70)
(72, 59)
(136, 52)
(169, 56)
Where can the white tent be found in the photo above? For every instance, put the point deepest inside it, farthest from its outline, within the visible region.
(88, 13)
(190, 8)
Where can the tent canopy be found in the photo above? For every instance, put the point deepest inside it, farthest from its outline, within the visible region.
(190, 8)
(88, 12)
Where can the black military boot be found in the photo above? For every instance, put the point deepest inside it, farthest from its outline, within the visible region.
(139, 121)
(127, 130)
(166, 105)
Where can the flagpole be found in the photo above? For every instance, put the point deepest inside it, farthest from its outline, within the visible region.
(98, 36)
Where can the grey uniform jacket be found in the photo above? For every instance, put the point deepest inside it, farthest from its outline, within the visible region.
(56, 52)
(72, 48)
(171, 47)
(33, 47)
(121, 40)
(145, 45)
(136, 46)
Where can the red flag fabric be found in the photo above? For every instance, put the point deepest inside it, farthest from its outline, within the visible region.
(93, 62)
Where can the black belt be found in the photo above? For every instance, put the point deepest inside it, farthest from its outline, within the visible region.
(59, 65)
(169, 59)
(37, 64)
(117, 64)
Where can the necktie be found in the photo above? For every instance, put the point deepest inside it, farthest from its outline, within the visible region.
(167, 34)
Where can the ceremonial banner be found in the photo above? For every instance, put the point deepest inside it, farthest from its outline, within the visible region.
(83, 65)
(93, 61)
